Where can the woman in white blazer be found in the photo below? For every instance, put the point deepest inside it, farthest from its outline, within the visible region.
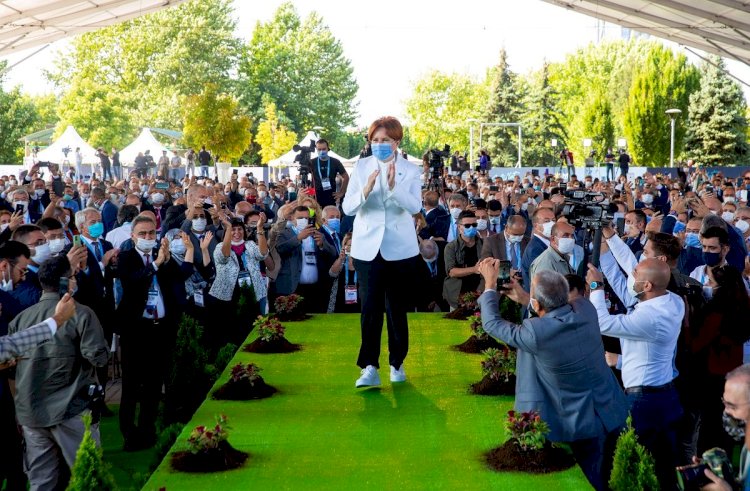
(383, 194)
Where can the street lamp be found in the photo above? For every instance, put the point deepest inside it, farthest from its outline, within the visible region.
(471, 122)
(673, 113)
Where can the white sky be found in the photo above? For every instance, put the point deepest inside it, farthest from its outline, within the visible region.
(392, 43)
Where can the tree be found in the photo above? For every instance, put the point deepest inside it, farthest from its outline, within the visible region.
(717, 127)
(272, 136)
(439, 107)
(598, 126)
(89, 472)
(542, 121)
(153, 61)
(663, 81)
(301, 66)
(633, 467)
(213, 119)
(19, 119)
(504, 106)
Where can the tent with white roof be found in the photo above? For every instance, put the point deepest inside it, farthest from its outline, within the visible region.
(70, 139)
(145, 141)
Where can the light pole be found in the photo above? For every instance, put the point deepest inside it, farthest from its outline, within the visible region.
(471, 122)
(673, 113)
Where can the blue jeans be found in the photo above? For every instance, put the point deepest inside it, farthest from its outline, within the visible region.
(174, 174)
(204, 171)
(594, 456)
(610, 170)
(655, 418)
(117, 171)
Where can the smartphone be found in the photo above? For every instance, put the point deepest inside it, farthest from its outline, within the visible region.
(709, 188)
(19, 209)
(162, 185)
(76, 240)
(223, 206)
(620, 226)
(493, 188)
(503, 274)
(62, 287)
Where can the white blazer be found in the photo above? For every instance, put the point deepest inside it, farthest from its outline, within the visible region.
(384, 221)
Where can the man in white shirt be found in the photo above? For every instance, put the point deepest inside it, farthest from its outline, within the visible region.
(648, 336)
(125, 216)
(456, 204)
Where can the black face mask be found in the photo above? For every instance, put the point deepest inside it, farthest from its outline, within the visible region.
(733, 426)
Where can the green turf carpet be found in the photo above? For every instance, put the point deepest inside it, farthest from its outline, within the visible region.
(319, 432)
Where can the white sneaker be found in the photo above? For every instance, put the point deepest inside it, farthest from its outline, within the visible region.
(369, 377)
(398, 375)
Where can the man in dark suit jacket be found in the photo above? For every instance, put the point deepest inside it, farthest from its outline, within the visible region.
(147, 321)
(438, 220)
(39, 199)
(299, 246)
(542, 219)
(430, 278)
(561, 370)
(512, 240)
(106, 208)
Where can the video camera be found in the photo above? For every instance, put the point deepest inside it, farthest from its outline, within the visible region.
(303, 158)
(435, 158)
(588, 210)
(66, 151)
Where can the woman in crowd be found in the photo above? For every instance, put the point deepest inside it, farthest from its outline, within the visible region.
(343, 297)
(196, 286)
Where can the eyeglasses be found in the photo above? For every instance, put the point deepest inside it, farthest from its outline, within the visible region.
(469, 225)
(731, 405)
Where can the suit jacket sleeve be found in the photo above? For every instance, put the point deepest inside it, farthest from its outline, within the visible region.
(407, 193)
(354, 198)
(287, 241)
(520, 337)
(93, 346)
(15, 345)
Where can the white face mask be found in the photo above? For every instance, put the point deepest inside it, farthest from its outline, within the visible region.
(56, 245)
(741, 225)
(728, 216)
(481, 224)
(631, 287)
(547, 229)
(728, 199)
(565, 244)
(647, 198)
(626, 229)
(301, 223)
(524, 206)
(41, 254)
(455, 212)
(3, 226)
(145, 245)
(199, 224)
(6, 284)
(514, 239)
(237, 242)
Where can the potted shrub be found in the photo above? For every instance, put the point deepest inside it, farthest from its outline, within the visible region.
(528, 449)
(289, 308)
(479, 339)
(633, 466)
(270, 337)
(244, 383)
(90, 472)
(467, 305)
(498, 373)
(209, 450)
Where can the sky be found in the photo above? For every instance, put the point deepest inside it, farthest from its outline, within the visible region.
(392, 43)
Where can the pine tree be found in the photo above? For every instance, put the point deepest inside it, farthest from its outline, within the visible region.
(542, 122)
(717, 127)
(633, 467)
(89, 472)
(504, 107)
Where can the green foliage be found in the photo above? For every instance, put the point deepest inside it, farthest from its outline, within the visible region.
(204, 438)
(527, 429)
(717, 126)
(542, 121)
(475, 324)
(166, 439)
(439, 107)
(89, 472)
(510, 310)
(224, 356)
(272, 136)
(499, 363)
(213, 119)
(20, 117)
(269, 328)
(301, 67)
(633, 467)
(662, 81)
(598, 125)
(247, 305)
(505, 106)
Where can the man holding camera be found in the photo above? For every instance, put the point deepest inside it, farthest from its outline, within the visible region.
(324, 172)
(56, 385)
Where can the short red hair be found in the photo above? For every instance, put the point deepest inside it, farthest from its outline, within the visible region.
(391, 125)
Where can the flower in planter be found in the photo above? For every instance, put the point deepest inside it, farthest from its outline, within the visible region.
(249, 372)
(476, 326)
(468, 300)
(500, 364)
(527, 429)
(287, 304)
(269, 328)
(202, 438)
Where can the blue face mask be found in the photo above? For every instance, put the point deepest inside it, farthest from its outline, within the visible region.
(96, 230)
(678, 227)
(470, 232)
(711, 258)
(381, 151)
(692, 240)
(323, 154)
(334, 224)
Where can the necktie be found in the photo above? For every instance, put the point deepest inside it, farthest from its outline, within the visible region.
(97, 250)
(513, 256)
(148, 259)
(158, 218)
(336, 241)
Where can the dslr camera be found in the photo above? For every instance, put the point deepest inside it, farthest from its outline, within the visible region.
(693, 477)
(436, 160)
(587, 210)
(303, 159)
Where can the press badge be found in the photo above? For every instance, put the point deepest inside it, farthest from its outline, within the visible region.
(198, 299)
(350, 294)
(244, 279)
(153, 299)
(310, 258)
(326, 184)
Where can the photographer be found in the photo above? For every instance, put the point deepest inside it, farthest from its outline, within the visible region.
(461, 260)
(324, 172)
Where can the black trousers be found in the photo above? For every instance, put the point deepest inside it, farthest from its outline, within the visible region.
(595, 455)
(384, 288)
(145, 354)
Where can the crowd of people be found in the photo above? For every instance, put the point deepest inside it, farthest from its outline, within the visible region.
(652, 330)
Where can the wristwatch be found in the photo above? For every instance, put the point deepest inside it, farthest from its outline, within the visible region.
(594, 285)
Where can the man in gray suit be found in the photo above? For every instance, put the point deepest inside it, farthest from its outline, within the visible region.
(509, 244)
(561, 371)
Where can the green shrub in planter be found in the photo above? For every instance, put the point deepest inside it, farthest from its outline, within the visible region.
(633, 468)
(89, 472)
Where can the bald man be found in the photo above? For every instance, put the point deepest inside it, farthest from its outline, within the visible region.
(648, 336)
(557, 256)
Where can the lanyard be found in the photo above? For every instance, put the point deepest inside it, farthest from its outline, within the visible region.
(346, 269)
(328, 172)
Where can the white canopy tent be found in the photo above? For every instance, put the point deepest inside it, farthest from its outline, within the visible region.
(72, 140)
(144, 141)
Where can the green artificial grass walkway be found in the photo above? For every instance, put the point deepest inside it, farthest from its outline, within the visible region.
(319, 432)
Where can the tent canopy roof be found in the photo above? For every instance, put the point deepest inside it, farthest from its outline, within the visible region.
(144, 141)
(26, 24)
(69, 139)
(175, 135)
(721, 27)
(39, 136)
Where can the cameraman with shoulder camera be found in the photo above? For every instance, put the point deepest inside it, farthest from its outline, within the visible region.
(324, 171)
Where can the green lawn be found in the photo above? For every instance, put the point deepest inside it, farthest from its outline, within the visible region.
(319, 432)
